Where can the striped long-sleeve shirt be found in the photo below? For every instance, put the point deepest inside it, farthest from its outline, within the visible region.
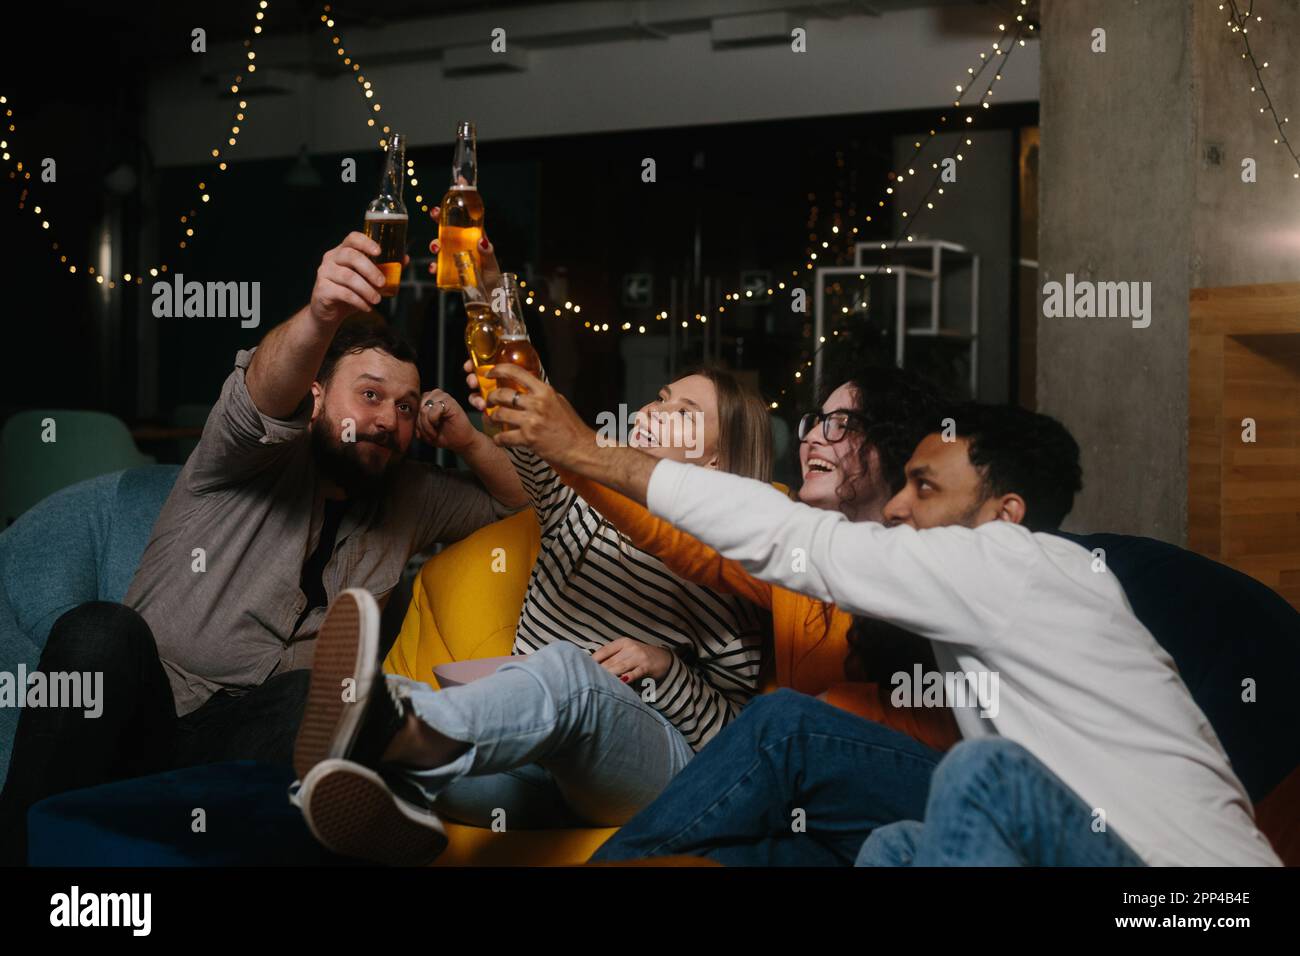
(591, 587)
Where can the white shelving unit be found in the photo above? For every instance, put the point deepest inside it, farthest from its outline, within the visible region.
(907, 265)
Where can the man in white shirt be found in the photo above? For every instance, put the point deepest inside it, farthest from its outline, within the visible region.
(1074, 697)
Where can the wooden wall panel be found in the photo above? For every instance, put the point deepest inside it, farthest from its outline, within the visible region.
(1244, 497)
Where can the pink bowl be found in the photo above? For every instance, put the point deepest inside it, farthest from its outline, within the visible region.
(466, 672)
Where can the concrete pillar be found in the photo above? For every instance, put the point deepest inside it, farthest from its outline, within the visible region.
(1140, 181)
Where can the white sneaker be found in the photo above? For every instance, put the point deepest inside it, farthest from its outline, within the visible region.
(355, 812)
(347, 649)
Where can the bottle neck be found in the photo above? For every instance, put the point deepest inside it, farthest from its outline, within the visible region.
(511, 321)
(390, 187)
(464, 161)
(508, 312)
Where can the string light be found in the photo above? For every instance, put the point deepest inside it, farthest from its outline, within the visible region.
(370, 95)
(957, 153)
(1239, 23)
(187, 219)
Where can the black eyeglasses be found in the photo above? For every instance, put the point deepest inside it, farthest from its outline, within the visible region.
(835, 425)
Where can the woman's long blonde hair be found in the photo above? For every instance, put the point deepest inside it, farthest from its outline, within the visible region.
(744, 425)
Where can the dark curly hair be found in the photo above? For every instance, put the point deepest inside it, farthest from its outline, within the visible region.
(366, 330)
(1016, 450)
(896, 409)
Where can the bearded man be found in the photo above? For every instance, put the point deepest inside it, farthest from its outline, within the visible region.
(299, 489)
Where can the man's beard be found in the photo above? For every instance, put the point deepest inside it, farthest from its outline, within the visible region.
(340, 462)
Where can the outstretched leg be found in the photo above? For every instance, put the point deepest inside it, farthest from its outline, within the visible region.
(993, 803)
(793, 781)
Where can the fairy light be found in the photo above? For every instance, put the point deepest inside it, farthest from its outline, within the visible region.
(136, 276)
(370, 96)
(963, 89)
(1003, 49)
(1239, 22)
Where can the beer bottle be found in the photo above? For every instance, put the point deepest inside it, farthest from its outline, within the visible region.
(482, 330)
(386, 216)
(460, 224)
(513, 346)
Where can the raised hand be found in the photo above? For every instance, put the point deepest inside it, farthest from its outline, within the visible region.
(475, 397)
(442, 423)
(347, 281)
(543, 418)
(487, 255)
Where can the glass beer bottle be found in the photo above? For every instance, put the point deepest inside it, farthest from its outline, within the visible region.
(482, 329)
(513, 346)
(386, 217)
(460, 223)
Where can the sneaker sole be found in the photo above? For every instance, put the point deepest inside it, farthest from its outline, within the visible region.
(352, 811)
(347, 646)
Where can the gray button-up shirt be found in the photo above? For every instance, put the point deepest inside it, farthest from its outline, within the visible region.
(219, 581)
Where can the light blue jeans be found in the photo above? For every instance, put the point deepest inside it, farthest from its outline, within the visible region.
(993, 803)
(555, 740)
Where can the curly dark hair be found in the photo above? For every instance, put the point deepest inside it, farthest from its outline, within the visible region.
(1030, 454)
(896, 408)
(367, 330)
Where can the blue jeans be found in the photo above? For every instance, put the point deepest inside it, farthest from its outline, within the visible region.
(992, 803)
(555, 740)
(792, 782)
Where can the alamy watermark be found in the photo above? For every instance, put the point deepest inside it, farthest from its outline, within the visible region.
(1101, 300)
(652, 429)
(953, 689)
(71, 689)
(208, 300)
(75, 908)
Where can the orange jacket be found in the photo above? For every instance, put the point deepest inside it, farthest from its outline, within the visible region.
(810, 637)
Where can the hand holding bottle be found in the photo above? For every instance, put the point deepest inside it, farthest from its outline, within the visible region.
(348, 281)
(487, 255)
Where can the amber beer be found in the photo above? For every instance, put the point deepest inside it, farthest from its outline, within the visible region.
(513, 346)
(386, 217)
(483, 329)
(460, 222)
(389, 230)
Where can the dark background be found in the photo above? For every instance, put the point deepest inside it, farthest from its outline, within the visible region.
(572, 206)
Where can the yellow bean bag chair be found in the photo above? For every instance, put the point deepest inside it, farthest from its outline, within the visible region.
(465, 605)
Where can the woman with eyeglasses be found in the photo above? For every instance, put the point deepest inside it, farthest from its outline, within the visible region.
(852, 454)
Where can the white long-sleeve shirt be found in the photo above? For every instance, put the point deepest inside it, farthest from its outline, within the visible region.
(1082, 684)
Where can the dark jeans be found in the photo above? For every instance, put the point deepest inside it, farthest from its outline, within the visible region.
(57, 749)
(993, 803)
(791, 782)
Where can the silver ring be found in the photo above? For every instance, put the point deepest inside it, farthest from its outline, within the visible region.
(428, 403)
(514, 402)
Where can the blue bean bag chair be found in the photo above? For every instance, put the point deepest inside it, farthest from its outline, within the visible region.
(1224, 628)
(224, 814)
(82, 543)
(1221, 627)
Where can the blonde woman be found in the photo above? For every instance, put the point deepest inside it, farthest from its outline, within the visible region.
(622, 670)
